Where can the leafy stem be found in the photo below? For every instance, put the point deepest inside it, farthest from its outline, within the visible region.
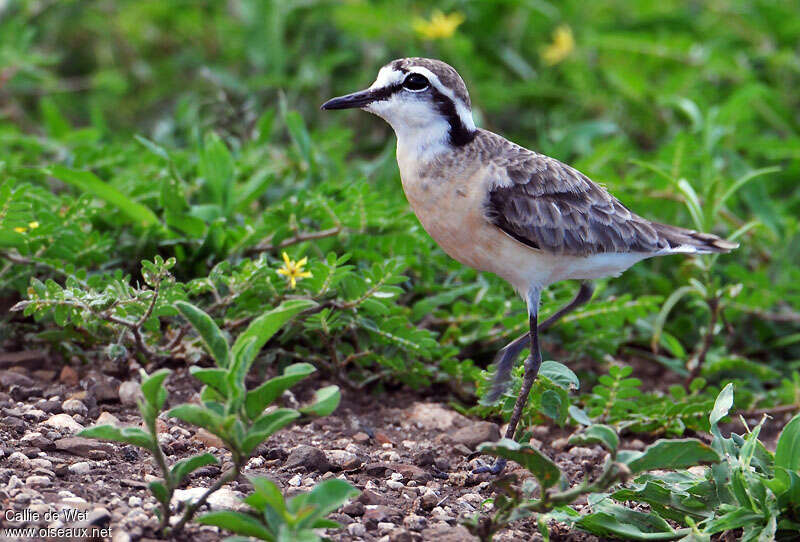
(229, 476)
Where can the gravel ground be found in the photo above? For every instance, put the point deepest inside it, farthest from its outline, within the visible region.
(411, 457)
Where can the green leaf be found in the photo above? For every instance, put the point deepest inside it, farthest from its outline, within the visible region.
(266, 494)
(217, 168)
(579, 415)
(529, 457)
(560, 374)
(186, 466)
(89, 183)
(325, 401)
(740, 182)
(262, 396)
(669, 454)
(787, 452)
(722, 405)
(128, 435)
(199, 416)
(739, 517)
(668, 500)
(598, 434)
(159, 491)
(299, 134)
(210, 334)
(261, 330)
(213, 377)
(692, 203)
(666, 308)
(550, 405)
(238, 523)
(266, 425)
(328, 496)
(643, 527)
(153, 388)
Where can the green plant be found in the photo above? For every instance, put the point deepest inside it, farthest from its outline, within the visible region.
(745, 487)
(554, 494)
(228, 409)
(276, 519)
(750, 489)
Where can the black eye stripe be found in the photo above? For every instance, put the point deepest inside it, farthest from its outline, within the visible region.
(459, 133)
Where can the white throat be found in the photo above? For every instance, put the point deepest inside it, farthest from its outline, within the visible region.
(422, 132)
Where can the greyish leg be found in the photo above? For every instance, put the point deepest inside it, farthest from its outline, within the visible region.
(532, 365)
(504, 361)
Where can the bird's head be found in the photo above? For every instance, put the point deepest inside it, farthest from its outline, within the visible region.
(421, 98)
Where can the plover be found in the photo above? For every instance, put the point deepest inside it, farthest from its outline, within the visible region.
(499, 207)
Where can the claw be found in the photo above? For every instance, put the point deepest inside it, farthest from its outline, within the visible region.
(495, 469)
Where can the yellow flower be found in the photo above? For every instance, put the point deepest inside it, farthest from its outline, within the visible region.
(33, 225)
(20, 229)
(293, 271)
(562, 46)
(440, 26)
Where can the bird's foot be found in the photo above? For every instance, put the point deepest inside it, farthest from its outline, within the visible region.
(497, 468)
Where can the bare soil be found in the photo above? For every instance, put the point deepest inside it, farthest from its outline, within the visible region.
(411, 455)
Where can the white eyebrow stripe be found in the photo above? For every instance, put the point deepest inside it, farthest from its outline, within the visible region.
(387, 77)
(461, 108)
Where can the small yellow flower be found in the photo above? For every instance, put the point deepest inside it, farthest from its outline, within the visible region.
(562, 46)
(20, 229)
(33, 225)
(293, 271)
(440, 26)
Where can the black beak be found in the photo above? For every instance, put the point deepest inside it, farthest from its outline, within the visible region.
(351, 101)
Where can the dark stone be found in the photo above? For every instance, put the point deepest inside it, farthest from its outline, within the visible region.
(442, 464)
(381, 514)
(308, 458)
(49, 406)
(472, 435)
(84, 447)
(14, 424)
(412, 472)
(425, 458)
(442, 533)
(377, 469)
(401, 535)
(102, 388)
(354, 509)
(368, 497)
(273, 453)
(12, 378)
(130, 453)
(20, 393)
(32, 359)
(209, 471)
(41, 442)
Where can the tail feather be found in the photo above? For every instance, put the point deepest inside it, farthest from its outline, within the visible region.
(683, 240)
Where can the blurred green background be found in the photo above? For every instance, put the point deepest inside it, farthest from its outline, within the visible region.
(688, 111)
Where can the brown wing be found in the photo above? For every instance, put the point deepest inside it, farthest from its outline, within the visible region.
(548, 205)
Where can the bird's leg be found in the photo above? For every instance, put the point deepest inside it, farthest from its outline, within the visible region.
(532, 364)
(504, 361)
(581, 298)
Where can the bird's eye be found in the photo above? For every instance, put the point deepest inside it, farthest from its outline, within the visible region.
(415, 82)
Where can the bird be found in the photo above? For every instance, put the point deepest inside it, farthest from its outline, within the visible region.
(498, 207)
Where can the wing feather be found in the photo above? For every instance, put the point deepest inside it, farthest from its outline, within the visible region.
(551, 206)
